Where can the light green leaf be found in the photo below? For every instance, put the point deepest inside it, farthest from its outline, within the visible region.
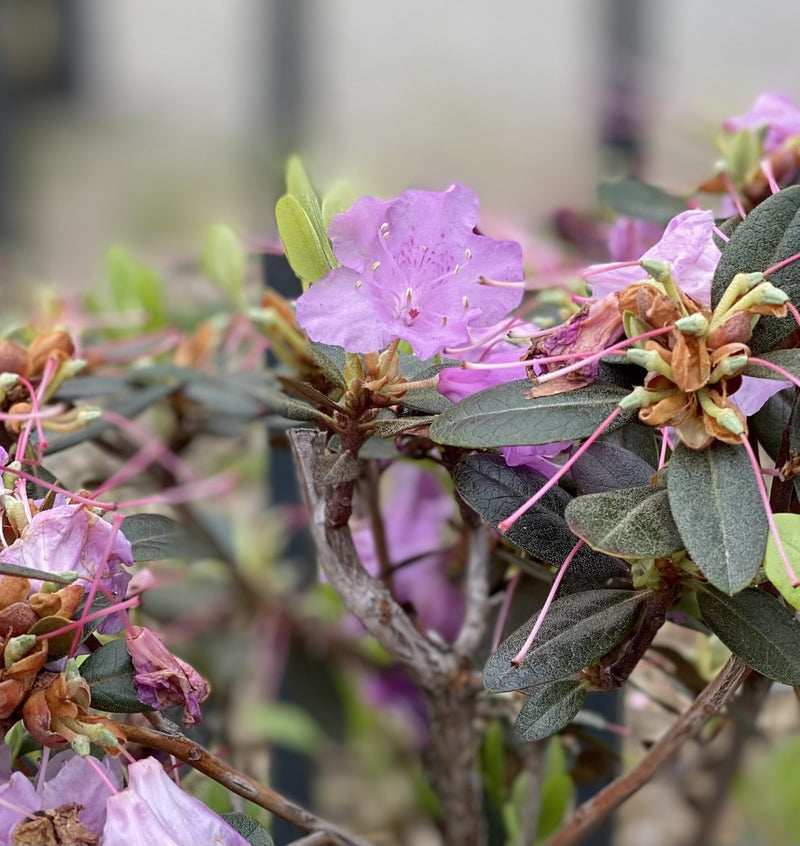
(133, 286)
(788, 526)
(286, 725)
(304, 250)
(299, 186)
(715, 500)
(504, 416)
(225, 262)
(336, 201)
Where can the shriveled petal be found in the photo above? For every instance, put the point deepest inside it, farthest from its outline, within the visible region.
(687, 245)
(78, 781)
(155, 810)
(17, 796)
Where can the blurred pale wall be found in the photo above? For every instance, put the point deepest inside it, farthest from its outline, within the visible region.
(172, 126)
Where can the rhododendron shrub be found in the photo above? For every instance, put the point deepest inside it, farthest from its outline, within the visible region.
(512, 490)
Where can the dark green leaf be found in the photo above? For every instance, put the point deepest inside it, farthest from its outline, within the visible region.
(504, 416)
(109, 673)
(640, 200)
(494, 491)
(252, 832)
(769, 234)
(550, 708)
(578, 628)
(607, 467)
(154, 537)
(628, 523)
(768, 423)
(393, 427)
(757, 628)
(717, 507)
(31, 573)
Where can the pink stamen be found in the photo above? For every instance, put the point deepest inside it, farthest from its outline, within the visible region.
(720, 234)
(101, 773)
(793, 580)
(604, 268)
(774, 367)
(116, 522)
(726, 178)
(519, 657)
(502, 614)
(506, 524)
(43, 762)
(492, 283)
(95, 615)
(548, 377)
(794, 312)
(781, 264)
(105, 506)
(662, 453)
(217, 485)
(766, 167)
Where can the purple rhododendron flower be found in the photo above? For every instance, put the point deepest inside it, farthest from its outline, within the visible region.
(69, 778)
(70, 537)
(154, 810)
(754, 392)
(162, 679)
(410, 269)
(629, 238)
(778, 114)
(416, 513)
(687, 245)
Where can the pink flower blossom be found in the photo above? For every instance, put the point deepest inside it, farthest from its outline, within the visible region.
(687, 245)
(629, 238)
(154, 810)
(410, 269)
(777, 113)
(162, 679)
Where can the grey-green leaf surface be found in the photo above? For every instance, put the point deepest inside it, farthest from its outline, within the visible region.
(758, 628)
(769, 234)
(629, 523)
(494, 491)
(787, 359)
(504, 416)
(607, 467)
(550, 708)
(577, 629)
(715, 501)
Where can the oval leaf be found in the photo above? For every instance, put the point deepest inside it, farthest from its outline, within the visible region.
(504, 416)
(578, 628)
(628, 523)
(769, 234)
(299, 186)
(608, 467)
(549, 709)
(303, 247)
(717, 508)
(109, 673)
(788, 526)
(638, 199)
(494, 490)
(757, 628)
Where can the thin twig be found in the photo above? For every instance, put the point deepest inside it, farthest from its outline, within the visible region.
(710, 700)
(196, 756)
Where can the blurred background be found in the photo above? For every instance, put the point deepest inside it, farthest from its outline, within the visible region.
(145, 121)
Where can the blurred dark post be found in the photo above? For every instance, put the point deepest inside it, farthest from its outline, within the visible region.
(286, 22)
(622, 110)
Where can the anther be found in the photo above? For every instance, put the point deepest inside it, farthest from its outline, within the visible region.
(465, 302)
(359, 283)
(456, 269)
(468, 254)
(375, 266)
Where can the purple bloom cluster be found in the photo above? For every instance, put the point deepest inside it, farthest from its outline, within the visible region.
(410, 269)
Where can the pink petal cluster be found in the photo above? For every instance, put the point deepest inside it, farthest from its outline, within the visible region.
(162, 679)
(687, 245)
(777, 113)
(411, 269)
